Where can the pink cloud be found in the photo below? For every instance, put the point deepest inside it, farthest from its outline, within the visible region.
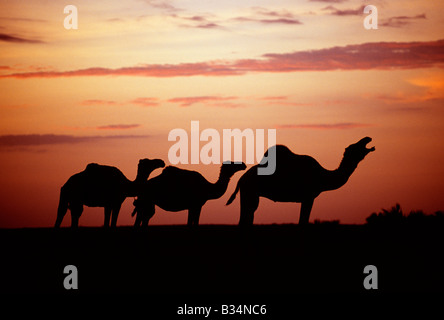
(197, 21)
(99, 102)
(345, 12)
(280, 21)
(163, 5)
(401, 21)
(269, 21)
(146, 102)
(157, 71)
(367, 56)
(266, 16)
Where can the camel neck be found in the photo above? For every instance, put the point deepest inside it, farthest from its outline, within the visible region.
(337, 178)
(219, 187)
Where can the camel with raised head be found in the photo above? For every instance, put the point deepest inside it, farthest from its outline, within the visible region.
(297, 178)
(101, 186)
(177, 189)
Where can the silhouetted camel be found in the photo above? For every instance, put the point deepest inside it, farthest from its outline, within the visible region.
(101, 186)
(298, 178)
(178, 189)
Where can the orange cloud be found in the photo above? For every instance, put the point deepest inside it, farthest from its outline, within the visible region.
(431, 88)
(283, 101)
(434, 84)
(49, 139)
(119, 126)
(188, 101)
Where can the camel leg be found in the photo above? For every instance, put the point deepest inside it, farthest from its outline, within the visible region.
(115, 215)
(138, 221)
(60, 215)
(305, 211)
(62, 209)
(249, 203)
(107, 216)
(76, 212)
(193, 216)
(146, 215)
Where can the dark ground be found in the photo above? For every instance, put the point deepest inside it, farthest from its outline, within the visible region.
(272, 259)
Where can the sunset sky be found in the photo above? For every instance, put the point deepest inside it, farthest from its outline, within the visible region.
(111, 91)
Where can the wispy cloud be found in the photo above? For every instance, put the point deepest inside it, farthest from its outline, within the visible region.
(401, 21)
(208, 25)
(274, 98)
(146, 101)
(367, 56)
(266, 16)
(189, 101)
(257, 15)
(165, 5)
(21, 19)
(141, 101)
(329, 1)
(268, 21)
(118, 126)
(344, 12)
(283, 101)
(51, 139)
(16, 39)
(324, 126)
(156, 70)
(99, 102)
(198, 21)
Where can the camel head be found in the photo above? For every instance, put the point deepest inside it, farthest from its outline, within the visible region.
(229, 168)
(146, 166)
(356, 152)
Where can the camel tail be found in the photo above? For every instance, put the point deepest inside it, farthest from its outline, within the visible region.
(63, 207)
(233, 196)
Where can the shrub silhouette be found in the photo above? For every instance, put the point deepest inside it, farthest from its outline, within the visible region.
(327, 222)
(395, 217)
(416, 217)
(387, 217)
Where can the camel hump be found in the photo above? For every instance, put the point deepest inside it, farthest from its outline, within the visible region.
(95, 170)
(176, 173)
(92, 166)
(281, 151)
(171, 169)
(288, 159)
(96, 167)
